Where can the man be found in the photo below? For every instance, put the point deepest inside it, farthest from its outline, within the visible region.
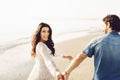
(106, 52)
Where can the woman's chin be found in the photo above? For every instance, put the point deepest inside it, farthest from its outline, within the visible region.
(46, 40)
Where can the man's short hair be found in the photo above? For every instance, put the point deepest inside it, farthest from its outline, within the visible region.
(114, 21)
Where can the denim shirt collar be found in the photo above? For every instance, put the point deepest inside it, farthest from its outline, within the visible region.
(113, 33)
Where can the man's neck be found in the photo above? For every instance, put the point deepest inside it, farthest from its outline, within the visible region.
(108, 31)
(111, 31)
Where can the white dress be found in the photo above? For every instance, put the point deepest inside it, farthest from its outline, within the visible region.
(44, 68)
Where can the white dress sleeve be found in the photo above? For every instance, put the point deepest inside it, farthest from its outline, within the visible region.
(45, 53)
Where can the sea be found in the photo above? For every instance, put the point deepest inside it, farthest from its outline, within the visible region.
(63, 29)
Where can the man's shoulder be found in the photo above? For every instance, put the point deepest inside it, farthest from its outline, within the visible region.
(98, 39)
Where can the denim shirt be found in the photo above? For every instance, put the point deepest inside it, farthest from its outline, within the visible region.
(106, 51)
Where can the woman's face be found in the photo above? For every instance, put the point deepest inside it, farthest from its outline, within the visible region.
(44, 34)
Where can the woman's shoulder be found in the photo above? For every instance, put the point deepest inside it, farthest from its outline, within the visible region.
(41, 44)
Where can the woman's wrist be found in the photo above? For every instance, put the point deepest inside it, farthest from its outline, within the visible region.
(67, 73)
(57, 70)
(58, 73)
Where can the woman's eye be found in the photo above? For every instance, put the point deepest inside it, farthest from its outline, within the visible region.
(48, 31)
(43, 31)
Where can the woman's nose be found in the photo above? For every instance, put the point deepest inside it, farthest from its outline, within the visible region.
(47, 34)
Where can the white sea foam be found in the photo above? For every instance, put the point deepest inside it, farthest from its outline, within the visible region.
(69, 36)
(62, 30)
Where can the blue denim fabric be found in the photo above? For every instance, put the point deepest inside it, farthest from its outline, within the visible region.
(106, 51)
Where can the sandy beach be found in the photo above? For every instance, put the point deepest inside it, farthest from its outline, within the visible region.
(17, 63)
(73, 47)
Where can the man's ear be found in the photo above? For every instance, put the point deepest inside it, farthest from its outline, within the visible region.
(108, 25)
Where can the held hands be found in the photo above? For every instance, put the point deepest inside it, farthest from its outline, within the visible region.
(66, 75)
(63, 76)
(59, 76)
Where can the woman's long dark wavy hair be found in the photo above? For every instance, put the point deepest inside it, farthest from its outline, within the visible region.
(36, 38)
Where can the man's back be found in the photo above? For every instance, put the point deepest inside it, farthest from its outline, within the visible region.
(106, 52)
(107, 57)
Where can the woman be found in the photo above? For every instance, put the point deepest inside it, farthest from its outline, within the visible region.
(43, 50)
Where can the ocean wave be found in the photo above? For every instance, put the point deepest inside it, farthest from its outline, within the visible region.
(60, 37)
(14, 43)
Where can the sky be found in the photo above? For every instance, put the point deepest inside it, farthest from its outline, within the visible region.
(74, 8)
(22, 15)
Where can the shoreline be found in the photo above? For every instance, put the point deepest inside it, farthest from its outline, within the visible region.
(16, 63)
(73, 47)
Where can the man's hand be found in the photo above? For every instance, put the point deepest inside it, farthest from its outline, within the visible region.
(66, 75)
(60, 76)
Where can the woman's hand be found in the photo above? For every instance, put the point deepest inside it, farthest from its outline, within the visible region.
(66, 75)
(59, 76)
(68, 57)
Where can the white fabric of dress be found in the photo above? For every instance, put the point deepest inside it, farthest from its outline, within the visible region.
(44, 68)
